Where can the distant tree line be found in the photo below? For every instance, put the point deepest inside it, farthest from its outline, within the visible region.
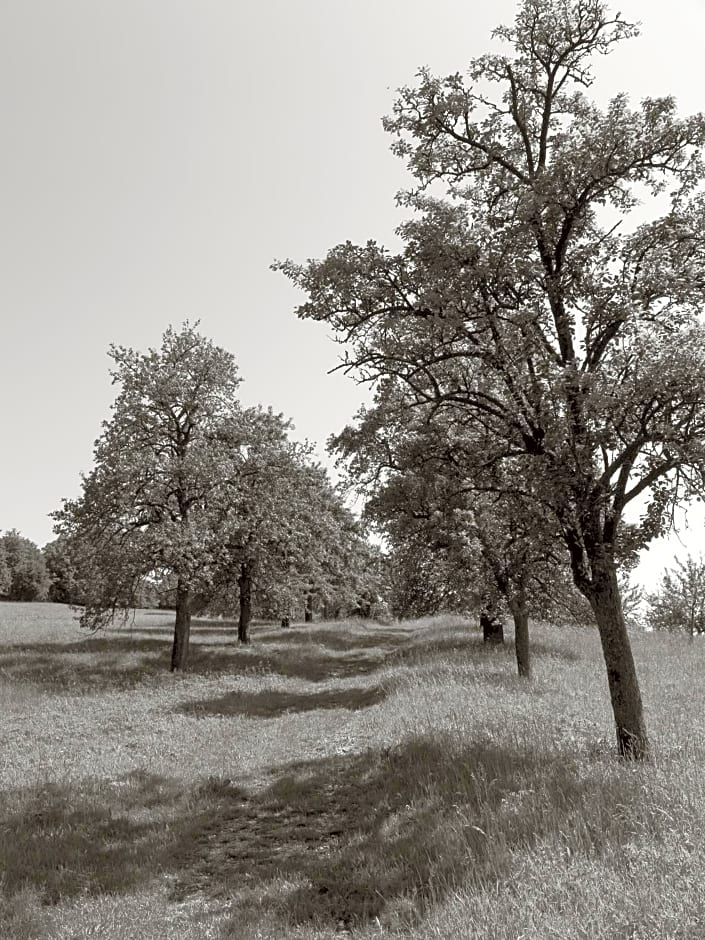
(24, 574)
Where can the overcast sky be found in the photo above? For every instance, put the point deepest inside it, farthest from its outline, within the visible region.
(157, 155)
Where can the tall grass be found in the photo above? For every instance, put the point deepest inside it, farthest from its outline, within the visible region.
(397, 781)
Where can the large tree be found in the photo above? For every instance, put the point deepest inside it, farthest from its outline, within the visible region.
(170, 487)
(294, 542)
(529, 298)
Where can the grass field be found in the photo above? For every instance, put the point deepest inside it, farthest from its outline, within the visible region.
(341, 778)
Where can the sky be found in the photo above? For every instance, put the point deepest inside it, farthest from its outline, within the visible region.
(159, 155)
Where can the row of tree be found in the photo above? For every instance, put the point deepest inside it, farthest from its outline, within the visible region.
(543, 346)
(461, 533)
(28, 573)
(433, 564)
(538, 353)
(207, 503)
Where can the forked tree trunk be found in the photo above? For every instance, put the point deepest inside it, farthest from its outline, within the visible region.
(632, 739)
(245, 585)
(492, 628)
(182, 629)
(522, 647)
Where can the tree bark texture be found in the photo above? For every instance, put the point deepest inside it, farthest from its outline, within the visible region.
(182, 629)
(245, 585)
(492, 628)
(521, 640)
(632, 739)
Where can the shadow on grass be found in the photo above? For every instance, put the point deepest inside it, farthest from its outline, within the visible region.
(90, 839)
(382, 834)
(83, 671)
(387, 835)
(274, 703)
(124, 658)
(342, 639)
(422, 651)
(199, 626)
(309, 663)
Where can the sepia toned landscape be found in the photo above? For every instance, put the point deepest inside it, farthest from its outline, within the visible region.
(421, 659)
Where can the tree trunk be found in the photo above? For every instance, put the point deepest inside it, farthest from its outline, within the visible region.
(308, 610)
(521, 639)
(632, 740)
(245, 585)
(492, 628)
(182, 629)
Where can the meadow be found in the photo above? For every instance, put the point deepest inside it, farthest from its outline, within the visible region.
(341, 778)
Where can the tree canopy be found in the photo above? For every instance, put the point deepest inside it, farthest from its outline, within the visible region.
(678, 603)
(169, 488)
(194, 493)
(64, 587)
(23, 574)
(463, 532)
(5, 574)
(529, 298)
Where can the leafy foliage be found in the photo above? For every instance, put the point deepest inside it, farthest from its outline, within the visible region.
(64, 587)
(517, 303)
(297, 543)
(461, 535)
(5, 574)
(197, 496)
(23, 574)
(168, 468)
(678, 604)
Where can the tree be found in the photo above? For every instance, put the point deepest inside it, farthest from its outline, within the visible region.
(28, 579)
(268, 505)
(678, 604)
(64, 587)
(169, 485)
(194, 495)
(5, 574)
(319, 557)
(528, 301)
(460, 534)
